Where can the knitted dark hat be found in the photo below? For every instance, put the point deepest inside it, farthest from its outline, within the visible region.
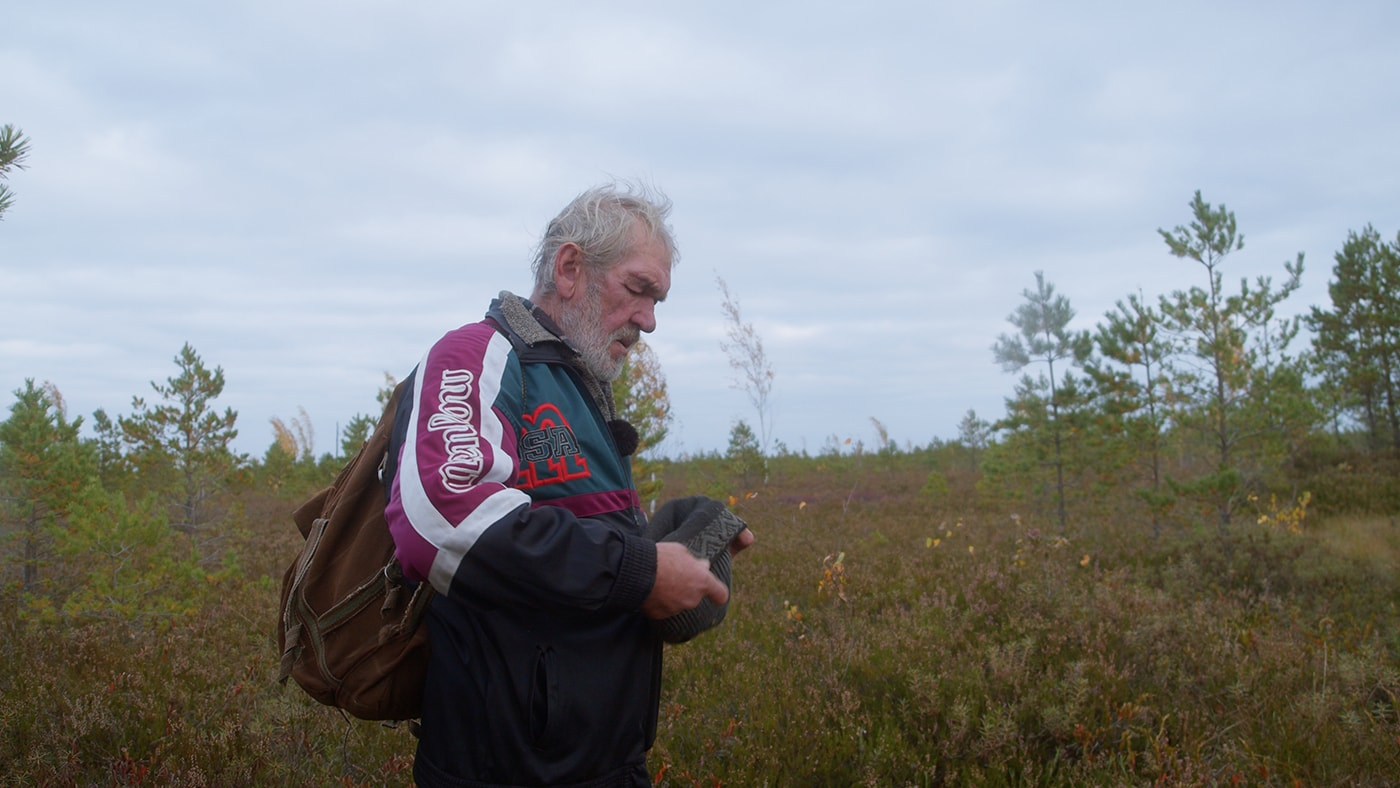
(706, 528)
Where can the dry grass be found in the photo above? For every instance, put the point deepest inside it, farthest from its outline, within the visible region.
(1372, 540)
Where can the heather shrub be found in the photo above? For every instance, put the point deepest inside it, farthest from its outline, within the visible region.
(177, 699)
(879, 635)
(1346, 480)
(975, 647)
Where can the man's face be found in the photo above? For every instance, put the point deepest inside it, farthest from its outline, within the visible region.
(616, 305)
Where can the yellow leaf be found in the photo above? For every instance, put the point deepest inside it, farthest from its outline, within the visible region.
(928, 542)
(732, 501)
(1085, 560)
(971, 550)
(802, 506)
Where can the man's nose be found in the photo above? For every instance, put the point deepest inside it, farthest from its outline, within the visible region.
(645, 318)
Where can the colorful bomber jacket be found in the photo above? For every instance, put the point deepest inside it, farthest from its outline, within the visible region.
(512, 500)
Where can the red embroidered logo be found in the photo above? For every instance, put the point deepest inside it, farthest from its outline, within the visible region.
(549, 452)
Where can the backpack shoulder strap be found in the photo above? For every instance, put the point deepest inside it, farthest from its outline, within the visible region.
(402, 403)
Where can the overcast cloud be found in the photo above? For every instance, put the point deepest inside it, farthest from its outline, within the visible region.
(310, 193)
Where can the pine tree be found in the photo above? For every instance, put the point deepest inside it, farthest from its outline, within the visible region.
(974, 436)
(43, 464)
(14, 150)
(182, 446)
(1131, 344)
(744, 456)
(361, 426)
(1358, 339)
(125, 564)
(1230, 356)
(1044, 337)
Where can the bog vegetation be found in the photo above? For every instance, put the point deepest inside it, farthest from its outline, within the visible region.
(1173, 561)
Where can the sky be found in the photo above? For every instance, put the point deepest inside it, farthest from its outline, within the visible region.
(311, 193)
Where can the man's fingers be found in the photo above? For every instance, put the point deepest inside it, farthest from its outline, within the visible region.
(716, 592)
(682, 582)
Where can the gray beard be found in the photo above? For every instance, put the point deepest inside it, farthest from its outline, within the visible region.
(583, 328)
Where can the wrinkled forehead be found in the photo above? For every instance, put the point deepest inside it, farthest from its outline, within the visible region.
(646, 268)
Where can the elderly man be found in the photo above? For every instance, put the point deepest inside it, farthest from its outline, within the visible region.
(514, 499)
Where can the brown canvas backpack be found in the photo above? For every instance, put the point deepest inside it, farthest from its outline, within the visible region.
(349, 628)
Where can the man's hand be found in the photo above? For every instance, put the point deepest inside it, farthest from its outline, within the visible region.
(682, 581)
(740, 541)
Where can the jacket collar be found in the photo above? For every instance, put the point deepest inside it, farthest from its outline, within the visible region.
(527, 321)
(530, 323)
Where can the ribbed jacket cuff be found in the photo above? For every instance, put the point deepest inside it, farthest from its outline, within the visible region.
(637, 574)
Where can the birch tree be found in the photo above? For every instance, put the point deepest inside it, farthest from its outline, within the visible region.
(747, 358)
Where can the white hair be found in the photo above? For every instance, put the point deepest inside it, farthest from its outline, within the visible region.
(600, 222)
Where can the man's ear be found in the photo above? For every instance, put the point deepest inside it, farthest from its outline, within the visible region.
(568, 271)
